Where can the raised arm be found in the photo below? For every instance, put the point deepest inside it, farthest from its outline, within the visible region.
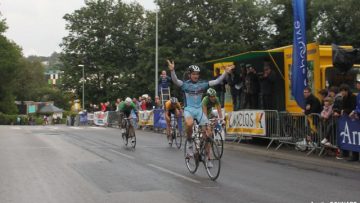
(222, 77)
(175, 80)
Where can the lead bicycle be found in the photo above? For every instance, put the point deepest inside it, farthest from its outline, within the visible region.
(129, 134)
(212, 163)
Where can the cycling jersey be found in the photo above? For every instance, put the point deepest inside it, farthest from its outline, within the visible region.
(123, 107)
(209, 104)
(169, 107)
(194, 92)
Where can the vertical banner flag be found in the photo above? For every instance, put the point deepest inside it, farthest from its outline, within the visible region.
(299, 63)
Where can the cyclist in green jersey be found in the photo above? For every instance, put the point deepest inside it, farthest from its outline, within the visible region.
(209, 102)
(126, 107)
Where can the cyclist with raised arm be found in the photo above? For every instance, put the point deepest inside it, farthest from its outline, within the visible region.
(126, 107)
(194, 89)
(171, 106)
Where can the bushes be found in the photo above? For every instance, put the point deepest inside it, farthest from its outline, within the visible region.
(24, 119)
(7, 119)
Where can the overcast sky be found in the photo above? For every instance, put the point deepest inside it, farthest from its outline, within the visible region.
(37, 25)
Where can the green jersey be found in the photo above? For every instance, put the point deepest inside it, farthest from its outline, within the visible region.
(126, 108)
(209, 104)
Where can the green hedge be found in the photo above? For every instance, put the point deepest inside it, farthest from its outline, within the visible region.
(24, 119)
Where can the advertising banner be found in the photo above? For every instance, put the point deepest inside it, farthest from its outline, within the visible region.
(249, 122)
(160, 122)
(159, 118)
(146, 118)
(100, 118)
(348, 134)
(299, 66)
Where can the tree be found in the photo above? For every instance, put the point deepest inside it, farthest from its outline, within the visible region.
(337, 22)
(104, 36)
(10, 54)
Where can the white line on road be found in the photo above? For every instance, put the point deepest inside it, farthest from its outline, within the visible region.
(98, 128)
(122, 154)
(77, 128)
(15, 128)
(173, 173)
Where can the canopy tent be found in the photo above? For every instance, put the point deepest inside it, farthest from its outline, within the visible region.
(247, 56)
(50, 109)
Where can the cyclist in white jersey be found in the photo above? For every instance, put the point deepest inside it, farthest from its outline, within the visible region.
(194, 89)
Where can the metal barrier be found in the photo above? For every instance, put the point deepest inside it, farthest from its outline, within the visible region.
(303, 131)
(113, 118)
(329, 131)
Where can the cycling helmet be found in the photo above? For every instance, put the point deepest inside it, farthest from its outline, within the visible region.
(194, 68)
(173, 100)
(211, 92)
(128, 100)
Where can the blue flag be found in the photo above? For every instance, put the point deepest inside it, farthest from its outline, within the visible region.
(299, 63)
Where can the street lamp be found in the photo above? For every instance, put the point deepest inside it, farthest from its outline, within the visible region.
(83, 87)
(156, 51)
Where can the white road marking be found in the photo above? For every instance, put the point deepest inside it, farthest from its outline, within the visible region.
(76, 128)
(15, 128)
(122, 154)
(174, 173)
(98, 128)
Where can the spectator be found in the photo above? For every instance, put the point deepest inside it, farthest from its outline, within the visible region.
(252, 88)
(164, 84)
(326, 115)
(108, 106)
(356, 113)
(118, 101)
(268, 80)
(312, 104)
(323, 93)
(327, 108)
(220, 88)
(143, 102)
(103, 107)
(348, 105)
(348, 101)
(149, 104)
(234, 83)
(157, 103)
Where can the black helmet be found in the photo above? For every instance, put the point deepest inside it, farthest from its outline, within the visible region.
(194, 68)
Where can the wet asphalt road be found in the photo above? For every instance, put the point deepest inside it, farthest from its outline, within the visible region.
(91, 164)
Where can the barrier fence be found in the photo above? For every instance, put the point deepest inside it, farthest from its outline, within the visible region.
(305, 132)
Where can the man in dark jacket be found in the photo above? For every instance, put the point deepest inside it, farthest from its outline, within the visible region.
(348, 105)
(312, 104)
(252, 88)
(234, 83)
(268, 80)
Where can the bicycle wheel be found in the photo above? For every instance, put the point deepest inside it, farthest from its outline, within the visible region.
(132, 137)
(178, 137)
(191, 162)
(125, 138)
(213, 168)
(219, 141)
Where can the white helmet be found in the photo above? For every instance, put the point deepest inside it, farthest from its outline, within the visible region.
(193, 68)
(128, 100)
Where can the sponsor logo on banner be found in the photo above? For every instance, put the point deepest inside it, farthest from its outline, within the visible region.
(349, 134)
(247, 122)
(146, 118)
(100, 118)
